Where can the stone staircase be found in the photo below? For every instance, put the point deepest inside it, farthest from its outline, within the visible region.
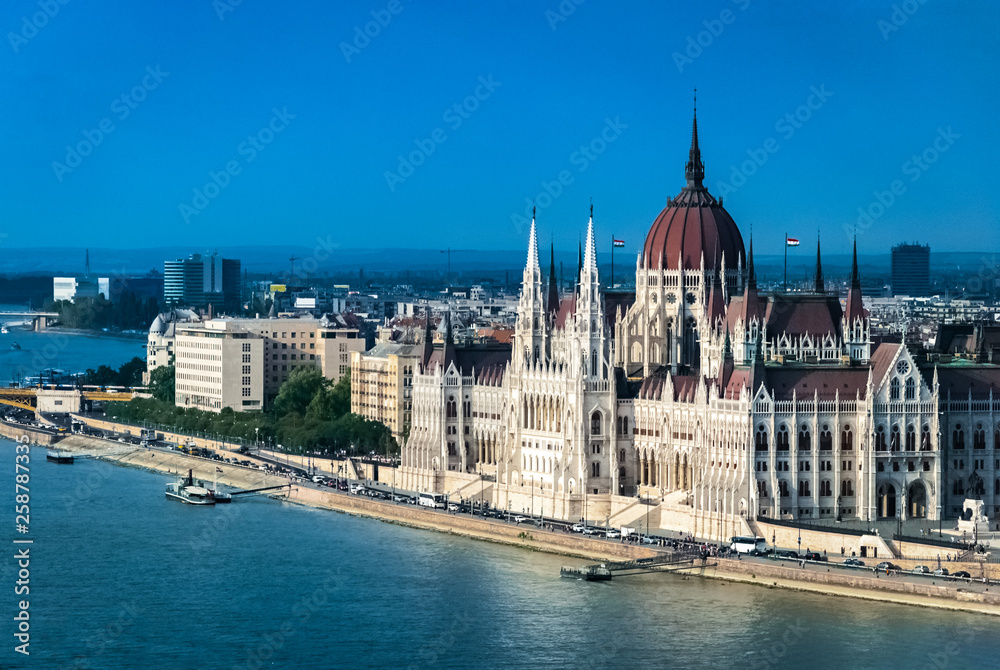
(637, 515)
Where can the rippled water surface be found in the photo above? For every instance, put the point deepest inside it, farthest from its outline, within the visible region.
(123, 578)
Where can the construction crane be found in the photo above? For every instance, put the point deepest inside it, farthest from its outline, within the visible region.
(451, 251)
(291, 266)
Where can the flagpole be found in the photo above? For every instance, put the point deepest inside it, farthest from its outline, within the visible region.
(786, 264)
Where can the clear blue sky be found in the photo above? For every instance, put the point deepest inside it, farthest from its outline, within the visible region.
(325, 172)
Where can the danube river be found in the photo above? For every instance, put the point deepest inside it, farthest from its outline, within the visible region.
(70, 352)
(121, 577)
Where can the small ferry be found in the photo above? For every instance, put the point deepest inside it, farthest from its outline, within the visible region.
(59, 457)
(3, 330)
(177, 491)
(189, 491)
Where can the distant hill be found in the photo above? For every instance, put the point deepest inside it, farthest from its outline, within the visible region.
(273, 260)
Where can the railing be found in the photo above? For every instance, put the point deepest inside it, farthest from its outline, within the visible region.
(958, 546)
(838, 529)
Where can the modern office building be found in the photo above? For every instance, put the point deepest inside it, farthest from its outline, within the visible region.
(201, 282)
(218, 365)
(71, 288)
(285, 345)
(911, 269)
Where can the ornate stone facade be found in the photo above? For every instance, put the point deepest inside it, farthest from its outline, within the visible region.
(719, 403)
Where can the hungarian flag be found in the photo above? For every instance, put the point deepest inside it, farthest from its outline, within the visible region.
(792, 242)
(617, 243)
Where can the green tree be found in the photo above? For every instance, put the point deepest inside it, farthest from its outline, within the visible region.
(298, 391)
(162, 383)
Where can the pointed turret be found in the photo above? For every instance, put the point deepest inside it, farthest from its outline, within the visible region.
(532, 263)
(428, 343)
(553, 297)
(694, 171)
(449, 341)
(854, 309)
(579, 266)
(590, 257)
(726, 369)
(716, 307)
(819, 287)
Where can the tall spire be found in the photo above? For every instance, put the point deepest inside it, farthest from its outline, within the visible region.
(695, 170)
(820, 288)
(854, 307)
(553, 298)
(532, 263)
(855, 277)
(751, 276)
(579, 267)
(590, 257)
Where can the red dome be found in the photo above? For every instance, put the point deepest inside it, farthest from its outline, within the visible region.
(691, 224)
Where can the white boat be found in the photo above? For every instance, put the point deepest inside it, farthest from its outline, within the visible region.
(190, 491)
(177, 491)
(3, 330)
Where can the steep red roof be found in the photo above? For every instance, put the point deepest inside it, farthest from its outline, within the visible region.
(960, 380)
(882, 359)
(780, 381)
(801, 314)
(613, 300)
(566, 309)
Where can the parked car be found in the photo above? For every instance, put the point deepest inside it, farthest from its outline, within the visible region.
(962, 574)
(519, 519)
(854, 562)
(452, 507)
(886, 565)
(921, 570)
(612, 534)
(813, 556)
(577, 528)
(941, 572)
(786, 553)
(591, 531)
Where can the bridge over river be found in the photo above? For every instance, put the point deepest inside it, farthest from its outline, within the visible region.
(39, 320)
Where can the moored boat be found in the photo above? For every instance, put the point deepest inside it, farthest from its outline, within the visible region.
(177, 491)
(58, 457)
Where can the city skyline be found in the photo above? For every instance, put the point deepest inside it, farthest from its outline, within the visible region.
(305, 137)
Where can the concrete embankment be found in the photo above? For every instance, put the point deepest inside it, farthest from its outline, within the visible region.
(524, 535)
(21, 433)
(818, 578)
(828, 580)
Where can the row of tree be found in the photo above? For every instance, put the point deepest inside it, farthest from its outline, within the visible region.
(309, 414)
(127, 312)
(129, 374)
